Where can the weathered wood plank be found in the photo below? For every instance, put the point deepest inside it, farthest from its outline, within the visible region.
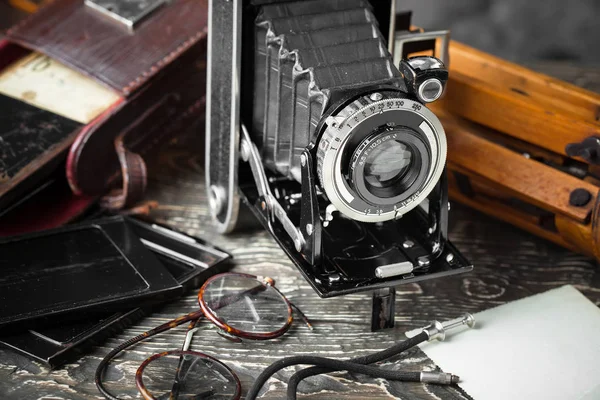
(509, 264)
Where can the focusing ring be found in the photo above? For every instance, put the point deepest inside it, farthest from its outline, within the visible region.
(356, 122)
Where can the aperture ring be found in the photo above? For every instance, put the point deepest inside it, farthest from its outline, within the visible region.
(337, 140)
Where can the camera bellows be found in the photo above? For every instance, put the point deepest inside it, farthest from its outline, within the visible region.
(301, 63)
(323, 77)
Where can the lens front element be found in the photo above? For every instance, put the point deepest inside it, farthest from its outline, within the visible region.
(388, 164)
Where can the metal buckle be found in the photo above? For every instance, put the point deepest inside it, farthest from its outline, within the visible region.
(402, 37)
(126, 12)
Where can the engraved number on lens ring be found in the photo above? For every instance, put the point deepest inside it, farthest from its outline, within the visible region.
(335, 185)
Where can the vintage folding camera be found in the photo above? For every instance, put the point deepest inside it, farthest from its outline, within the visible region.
(328, 140)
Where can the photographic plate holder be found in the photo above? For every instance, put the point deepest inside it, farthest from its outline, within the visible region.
(189, 260)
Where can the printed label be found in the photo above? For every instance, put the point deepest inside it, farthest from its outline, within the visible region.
(47, 84)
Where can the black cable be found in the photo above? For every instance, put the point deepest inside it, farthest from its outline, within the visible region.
(330, 364)
(295, 380)
(327, 365)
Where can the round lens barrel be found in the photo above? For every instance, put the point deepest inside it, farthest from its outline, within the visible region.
(245, 306)
(379, 155)
(186, 375)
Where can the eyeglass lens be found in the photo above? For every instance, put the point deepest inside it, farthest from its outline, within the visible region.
(188, 377)
(247, 305)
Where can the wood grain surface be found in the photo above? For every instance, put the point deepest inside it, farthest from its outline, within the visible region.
(513, 172)
(517, 101)
(550, 93)
(509, 264)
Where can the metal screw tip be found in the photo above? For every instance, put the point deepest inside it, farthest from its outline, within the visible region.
(469, 320)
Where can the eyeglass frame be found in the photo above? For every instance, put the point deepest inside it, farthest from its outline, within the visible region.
(206, 312)
(148, 396)
(211, 316)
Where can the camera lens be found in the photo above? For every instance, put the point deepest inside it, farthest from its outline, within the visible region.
(380, 156)
(387, 165)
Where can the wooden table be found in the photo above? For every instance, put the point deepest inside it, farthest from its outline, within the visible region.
(509, 264)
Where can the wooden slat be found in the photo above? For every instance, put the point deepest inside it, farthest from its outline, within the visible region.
(523, 147)
(485, 191)
(527, 179)
(552, 94)
(580, 236)
(26, 5)
(509, 215)
(512, 113)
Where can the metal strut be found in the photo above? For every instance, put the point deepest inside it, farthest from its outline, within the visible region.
(249, 153)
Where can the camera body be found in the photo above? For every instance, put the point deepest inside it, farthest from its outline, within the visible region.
(347, 164)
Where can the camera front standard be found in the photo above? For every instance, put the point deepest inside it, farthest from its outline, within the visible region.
(313, 124)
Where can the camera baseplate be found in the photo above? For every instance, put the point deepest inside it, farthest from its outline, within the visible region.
(358, 256)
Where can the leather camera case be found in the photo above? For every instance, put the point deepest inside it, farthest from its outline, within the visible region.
(158, 70)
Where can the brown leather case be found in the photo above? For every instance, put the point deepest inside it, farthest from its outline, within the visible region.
(158, 68)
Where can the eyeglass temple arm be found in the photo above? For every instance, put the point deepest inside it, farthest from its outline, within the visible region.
(304, 317)
(174, 394)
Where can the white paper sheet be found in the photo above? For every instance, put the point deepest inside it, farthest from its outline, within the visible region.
(545, 346)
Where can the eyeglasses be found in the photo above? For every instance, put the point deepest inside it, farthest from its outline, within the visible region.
(243, 307)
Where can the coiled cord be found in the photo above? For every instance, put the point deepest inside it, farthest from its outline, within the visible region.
(323, 365)
(368, 359)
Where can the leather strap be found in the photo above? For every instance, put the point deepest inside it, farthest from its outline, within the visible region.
(133, 179)
(133, 169)
(223, 112)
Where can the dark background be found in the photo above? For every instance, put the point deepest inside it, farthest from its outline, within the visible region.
(526, 31)
(519, 30)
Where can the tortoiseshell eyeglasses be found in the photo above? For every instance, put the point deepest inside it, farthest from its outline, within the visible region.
(242, 306)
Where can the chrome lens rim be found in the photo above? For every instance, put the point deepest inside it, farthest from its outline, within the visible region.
(334, 144)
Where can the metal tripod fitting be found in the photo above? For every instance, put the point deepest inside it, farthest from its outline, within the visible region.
(440, 378)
